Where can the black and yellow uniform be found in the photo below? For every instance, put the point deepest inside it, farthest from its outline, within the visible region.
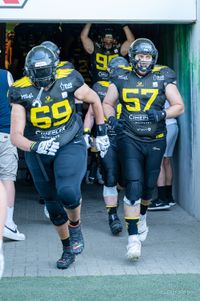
(51, 114)
(65, 65)
(99, 61)
(142, 143)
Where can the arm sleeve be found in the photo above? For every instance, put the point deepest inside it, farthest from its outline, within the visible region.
(79, 80)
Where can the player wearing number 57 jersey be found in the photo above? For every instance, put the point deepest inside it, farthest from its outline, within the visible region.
(45, 125)
(141, 142)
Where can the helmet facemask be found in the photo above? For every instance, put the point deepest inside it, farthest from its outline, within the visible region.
(40, 66)
(146, 47)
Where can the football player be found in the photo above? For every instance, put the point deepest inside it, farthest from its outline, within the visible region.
(110, 163)
(101, 53)
(142, 140)
(45, 125)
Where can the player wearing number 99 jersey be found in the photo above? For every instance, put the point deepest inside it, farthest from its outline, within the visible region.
(102, 53)
(45, 125)
(141, 142)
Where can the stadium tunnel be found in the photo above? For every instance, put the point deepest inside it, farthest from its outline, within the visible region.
(173, 43)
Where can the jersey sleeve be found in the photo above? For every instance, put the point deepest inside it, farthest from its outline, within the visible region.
(169, 76)
(78, 80)
(14, 96)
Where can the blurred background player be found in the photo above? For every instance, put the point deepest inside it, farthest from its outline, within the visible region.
(165, 198)
(3, 206)
(110, 163)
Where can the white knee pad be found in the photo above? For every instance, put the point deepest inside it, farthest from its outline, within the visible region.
(129, 203)
(110, 191)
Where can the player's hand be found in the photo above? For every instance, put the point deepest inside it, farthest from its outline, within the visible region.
(155, 115)
(48, 147)
(116, 124)
(88, 140)
(102, 144)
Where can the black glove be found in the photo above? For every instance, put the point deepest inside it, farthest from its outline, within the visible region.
(156, 116)
(116, 124)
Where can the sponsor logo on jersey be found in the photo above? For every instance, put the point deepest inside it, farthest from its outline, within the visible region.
(140, 84)
(12, 3)
(48, 99)
(156, 148)
(138, 117)
(102, 74)
(64, 94)
(155, 84)
(125, 77)
(116, 51)
(27, 96)
(158, 77)
(65, 86)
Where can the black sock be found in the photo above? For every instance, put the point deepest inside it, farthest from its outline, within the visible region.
(131, 225)
(112, 210)
(169, 192)
(65, 243)
(162, 193)
(143, 209)
(74, 224)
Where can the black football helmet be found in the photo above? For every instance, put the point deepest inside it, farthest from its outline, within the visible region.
(53, 47)
(117, 63)
(144, 46)
(40, 66)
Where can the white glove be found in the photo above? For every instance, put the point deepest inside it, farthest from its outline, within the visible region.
(102, 144)
(88, 140)
(48, 147)
(1, 261)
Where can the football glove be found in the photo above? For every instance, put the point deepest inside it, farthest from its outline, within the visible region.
(48, 147)
(156, 116)
(116, 124)
(102, 144)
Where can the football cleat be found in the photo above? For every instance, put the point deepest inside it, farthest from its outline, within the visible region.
(76, 238)
(67, 258)
(115, 224)
(133, 248)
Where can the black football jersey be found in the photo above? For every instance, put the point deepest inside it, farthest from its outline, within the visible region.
(99, 61)
(65, 64)
(137, 94)
(49, 113)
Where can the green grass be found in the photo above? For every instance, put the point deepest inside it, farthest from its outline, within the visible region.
(179, 287)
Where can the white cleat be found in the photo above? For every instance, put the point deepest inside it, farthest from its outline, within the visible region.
(133, 248)
(142, 230)
(13, 234)
(46, 213)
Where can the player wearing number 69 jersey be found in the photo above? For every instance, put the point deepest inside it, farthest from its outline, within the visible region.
(45, 125)
(141, 143)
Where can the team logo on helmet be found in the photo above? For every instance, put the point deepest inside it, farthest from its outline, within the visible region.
(12, 3)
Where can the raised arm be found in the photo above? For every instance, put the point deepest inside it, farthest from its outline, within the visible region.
(129, 40)
(86, 41)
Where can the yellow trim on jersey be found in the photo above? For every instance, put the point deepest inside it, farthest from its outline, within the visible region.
(158, 68)
(60, 73)
(62, 63)
(104, 83)
(23, 82)
(160, 136)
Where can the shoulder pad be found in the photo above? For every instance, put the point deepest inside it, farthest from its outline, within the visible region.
(158, 68)
(22, 82)
(60, 73)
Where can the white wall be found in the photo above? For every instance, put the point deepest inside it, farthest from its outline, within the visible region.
(112, 10)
